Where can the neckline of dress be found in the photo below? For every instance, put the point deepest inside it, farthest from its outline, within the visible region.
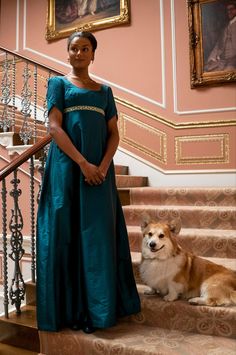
(82, 88)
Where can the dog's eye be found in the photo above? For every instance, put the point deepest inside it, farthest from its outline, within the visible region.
(161, 236)
(150, 234)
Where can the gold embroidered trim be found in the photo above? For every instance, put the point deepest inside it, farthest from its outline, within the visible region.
(89, 108)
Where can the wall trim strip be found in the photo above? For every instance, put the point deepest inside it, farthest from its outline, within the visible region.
(172, 124)
(177, 172)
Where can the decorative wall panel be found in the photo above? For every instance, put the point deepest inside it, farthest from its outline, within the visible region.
(143, 137)
(204, 149)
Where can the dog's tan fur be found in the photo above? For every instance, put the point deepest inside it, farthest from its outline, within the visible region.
(173, 272)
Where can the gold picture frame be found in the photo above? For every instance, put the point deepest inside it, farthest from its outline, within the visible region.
(66, 17)
(210, 22)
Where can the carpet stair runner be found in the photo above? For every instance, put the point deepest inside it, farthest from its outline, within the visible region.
(208, 219)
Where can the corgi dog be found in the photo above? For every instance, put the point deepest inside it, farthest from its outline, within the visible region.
(175, 273)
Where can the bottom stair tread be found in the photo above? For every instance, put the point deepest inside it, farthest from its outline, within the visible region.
(12, 350)
(182, 316)
(134, 339)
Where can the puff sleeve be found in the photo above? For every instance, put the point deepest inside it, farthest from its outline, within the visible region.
(111, 110)
(55, 94)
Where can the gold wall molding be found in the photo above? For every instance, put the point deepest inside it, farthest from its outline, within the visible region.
(172, 124)
(161, 137)
(221, 139)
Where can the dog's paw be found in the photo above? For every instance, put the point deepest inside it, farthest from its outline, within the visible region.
(150, 291)
(195, 301)
(169, 298)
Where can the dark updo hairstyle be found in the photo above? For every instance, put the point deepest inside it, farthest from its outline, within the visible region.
(83, 34)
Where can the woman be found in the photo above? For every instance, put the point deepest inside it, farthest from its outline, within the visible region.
(84, 271)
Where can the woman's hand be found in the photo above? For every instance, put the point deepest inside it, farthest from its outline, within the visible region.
(112, 144)
(92, 174)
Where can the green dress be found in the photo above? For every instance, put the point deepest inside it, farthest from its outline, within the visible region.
(84, 267)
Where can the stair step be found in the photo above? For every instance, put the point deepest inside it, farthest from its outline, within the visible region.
(138, 339)
(182, 316)
(12, 350)
(130, 181)
(184, 196)
(203, 242)
(124, 196)
(121, 169)
(160, 328)
(223, 217)
(20, 330)
(209, 242)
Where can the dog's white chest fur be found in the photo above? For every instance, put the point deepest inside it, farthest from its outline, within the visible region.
(159, 274)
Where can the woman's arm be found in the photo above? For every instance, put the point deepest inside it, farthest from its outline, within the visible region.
(91, 172)
(112, 144)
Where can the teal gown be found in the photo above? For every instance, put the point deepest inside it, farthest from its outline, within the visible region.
(84, 268)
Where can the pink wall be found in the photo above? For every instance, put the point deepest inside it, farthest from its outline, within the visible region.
(146, 63)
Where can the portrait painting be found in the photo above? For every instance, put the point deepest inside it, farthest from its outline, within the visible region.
(212, 29)
(67, 16)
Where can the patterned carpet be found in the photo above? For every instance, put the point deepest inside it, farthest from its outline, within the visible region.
(208, 218)
(136, 340)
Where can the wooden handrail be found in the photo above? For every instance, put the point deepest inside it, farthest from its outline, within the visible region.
(15, 163)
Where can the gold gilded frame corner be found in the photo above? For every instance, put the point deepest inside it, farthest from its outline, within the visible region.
(53, 32)
(200, 75)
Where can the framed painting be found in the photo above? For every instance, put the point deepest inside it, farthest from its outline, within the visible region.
(212, 31)
(67, 16)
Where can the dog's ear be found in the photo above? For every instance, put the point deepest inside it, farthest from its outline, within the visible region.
(175, 226)
(145, 220)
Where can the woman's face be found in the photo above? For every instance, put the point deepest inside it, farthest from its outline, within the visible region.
(80, 52)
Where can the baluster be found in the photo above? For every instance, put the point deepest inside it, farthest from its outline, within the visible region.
(26, 131)
(41, 169)
(45, 149)
(6, 121)
(4, 242)
(35, 101)
(13, 92)
(45, 112)
(32, 219)
(17, 289)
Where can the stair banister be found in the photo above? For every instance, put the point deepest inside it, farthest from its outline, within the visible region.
(15, 292)
(15, 163)
(17, 288)
(28, 96)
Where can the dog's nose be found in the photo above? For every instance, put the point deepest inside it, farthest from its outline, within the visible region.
(152, 245)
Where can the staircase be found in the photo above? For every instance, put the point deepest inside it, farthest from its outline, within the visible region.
(208, 219)
(208, 229)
